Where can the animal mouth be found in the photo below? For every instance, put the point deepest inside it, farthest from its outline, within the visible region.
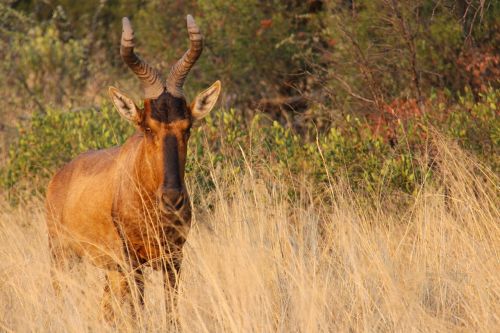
(172, 202)
(178, 204)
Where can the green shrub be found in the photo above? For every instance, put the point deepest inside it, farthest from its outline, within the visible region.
(54, 138)
(224, 141)
(476, 125)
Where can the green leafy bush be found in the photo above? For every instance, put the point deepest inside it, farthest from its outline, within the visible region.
(476, 125)
(368, 158)
(56, 137)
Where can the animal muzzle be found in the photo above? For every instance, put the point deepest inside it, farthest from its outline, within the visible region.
(172, 198)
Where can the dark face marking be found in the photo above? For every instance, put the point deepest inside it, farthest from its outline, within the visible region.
(167, 108)
(166, 125)
(171, 161)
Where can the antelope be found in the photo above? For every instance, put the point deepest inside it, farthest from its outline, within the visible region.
(129, 203)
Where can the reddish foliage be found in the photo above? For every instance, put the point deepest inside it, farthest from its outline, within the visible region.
(266, 23)
(332, 42)
(482, 66)
(392, 115)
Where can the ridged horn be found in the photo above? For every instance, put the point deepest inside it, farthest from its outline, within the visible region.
(180, 70)
(150, 78)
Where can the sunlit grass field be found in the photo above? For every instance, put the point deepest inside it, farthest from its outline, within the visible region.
(277, 254)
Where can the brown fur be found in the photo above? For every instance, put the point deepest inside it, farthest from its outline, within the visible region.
(106, 204)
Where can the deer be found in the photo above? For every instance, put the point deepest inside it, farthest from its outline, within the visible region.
(129, 203)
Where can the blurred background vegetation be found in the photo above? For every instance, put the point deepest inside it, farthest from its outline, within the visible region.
(313, 88)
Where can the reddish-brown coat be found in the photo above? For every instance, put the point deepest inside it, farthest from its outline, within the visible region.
(104, 204)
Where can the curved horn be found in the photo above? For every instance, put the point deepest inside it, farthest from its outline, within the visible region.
(150, 78)
(180, 70)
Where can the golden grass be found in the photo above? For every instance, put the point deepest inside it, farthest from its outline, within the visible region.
(258, 262)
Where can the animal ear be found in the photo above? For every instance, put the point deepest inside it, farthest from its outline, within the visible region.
(205, 101)
(125, 105)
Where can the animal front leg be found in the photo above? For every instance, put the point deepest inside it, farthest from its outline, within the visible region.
(56, 268)
(171, 271)
(62, 260)
(139, 289)
(115, 290)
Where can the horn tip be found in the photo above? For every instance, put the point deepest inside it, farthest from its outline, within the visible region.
(126, 24)
(190, 20)
(112, 90)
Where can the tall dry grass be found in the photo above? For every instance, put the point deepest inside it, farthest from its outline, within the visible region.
(258, 261)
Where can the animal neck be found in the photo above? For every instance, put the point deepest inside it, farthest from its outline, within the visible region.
(148, 171)
(139, 172)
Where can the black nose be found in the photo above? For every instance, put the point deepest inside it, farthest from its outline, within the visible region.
(172, 197)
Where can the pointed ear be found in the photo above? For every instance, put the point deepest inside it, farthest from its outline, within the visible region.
(205, 101)
(125, 105)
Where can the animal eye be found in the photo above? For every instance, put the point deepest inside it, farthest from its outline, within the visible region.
(148, 131)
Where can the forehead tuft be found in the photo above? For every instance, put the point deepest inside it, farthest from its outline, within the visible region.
(167, 108)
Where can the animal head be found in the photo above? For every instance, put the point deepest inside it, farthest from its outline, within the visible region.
(166, 118)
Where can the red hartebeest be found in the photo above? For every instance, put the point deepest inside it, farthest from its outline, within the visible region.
(129, 203)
